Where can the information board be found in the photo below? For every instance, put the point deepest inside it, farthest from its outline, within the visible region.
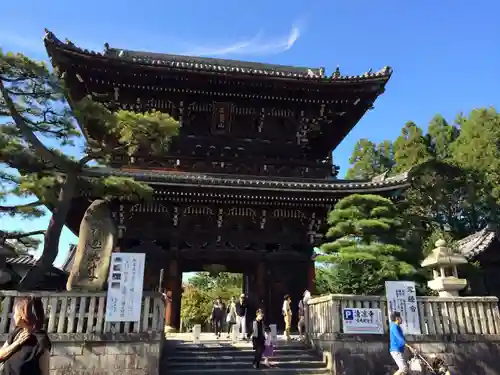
(125, 284)
(402, 297)
(361, 320)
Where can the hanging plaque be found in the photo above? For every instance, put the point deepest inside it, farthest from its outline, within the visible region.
(222, 116)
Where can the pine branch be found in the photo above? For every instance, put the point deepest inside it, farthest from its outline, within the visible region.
(20, 207)
(19, 235)
(28, 134)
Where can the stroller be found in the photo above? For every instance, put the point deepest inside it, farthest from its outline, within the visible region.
(437, 365)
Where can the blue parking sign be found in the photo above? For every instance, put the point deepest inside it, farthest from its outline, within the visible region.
(348, 314)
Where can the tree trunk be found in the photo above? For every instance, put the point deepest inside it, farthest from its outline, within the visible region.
(52, 235)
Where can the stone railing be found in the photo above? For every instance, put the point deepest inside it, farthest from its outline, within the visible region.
(84, 313)
(438, 315)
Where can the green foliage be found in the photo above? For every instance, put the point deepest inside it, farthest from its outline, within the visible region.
(364, 249)
(411, 148)
(454, 178)
(324, 282)
(477, 148)
(196, 306)
(369, 159)
(201, 291)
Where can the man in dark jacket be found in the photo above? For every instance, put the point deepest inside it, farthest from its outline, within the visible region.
(218, 311)
(258, 338)
(241, 314)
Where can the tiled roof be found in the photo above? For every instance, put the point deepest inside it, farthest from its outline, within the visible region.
(251, 182)
(223, 66)
(26, 260)
(478, 242)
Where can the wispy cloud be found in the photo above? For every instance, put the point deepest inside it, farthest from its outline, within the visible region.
(258, 45)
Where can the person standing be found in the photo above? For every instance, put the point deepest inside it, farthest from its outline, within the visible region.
(231, 316)
(301, 325)
(397, 343)
(287, 316)
(218, 312)
(27, 349)
(258, 338)
(241, 313)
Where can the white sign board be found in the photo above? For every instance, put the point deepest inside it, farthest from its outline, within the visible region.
(125, 283)
(359, 321)
(402, 297)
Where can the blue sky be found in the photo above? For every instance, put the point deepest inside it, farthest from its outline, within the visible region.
(445, 53)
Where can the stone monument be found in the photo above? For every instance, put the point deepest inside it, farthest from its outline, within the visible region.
(96, 241)
(444, 261)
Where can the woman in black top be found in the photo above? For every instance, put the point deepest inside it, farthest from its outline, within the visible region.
(31, 356)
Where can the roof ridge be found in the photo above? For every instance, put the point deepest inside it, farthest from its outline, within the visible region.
(112, 51)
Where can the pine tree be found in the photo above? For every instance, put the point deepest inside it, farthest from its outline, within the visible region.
(411, 148)
(364, 248)
(477, 148)
(369, 159)
(38, 123)
(440, 136)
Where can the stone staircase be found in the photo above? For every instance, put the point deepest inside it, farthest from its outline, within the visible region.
(222, 357)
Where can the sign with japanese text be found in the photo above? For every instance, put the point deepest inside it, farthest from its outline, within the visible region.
(359, 321)
(402, 297)
(125, 283)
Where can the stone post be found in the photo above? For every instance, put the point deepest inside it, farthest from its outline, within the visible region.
(443, 262)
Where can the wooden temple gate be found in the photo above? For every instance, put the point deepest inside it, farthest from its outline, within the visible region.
(249, 179)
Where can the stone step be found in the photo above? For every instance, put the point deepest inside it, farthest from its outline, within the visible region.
(237, 365)
(231, 356)
(250, 371)
(220, 346)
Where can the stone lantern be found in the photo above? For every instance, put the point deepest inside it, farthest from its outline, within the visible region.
(444, 262)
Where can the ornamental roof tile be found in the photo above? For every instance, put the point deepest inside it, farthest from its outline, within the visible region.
(215, 65)
(478, 242)
(253, 182)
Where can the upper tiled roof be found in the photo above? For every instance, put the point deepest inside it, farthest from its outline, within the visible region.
(253, 182)
(223, 66)
(478, 242)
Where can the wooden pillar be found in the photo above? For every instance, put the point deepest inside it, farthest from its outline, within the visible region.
(311, 276)
(261, 274)
(173, 292)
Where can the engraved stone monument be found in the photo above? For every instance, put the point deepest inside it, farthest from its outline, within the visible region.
(96, 241)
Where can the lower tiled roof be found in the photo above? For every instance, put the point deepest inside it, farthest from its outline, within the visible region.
(478, 242)
(27, 260)
(254, 182)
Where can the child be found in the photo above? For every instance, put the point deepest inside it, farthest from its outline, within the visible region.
(268, 347)
(258, 338)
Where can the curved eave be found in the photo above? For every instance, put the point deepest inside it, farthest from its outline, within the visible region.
(290, 185)
(54, 47)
